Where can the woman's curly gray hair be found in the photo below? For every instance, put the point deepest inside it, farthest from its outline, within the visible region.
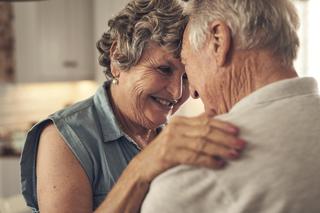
(141, 21)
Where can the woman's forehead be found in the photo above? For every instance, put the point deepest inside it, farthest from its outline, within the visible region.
(157, 52)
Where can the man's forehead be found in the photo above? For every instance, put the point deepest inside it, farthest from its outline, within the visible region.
(185, 42)
(186, 31)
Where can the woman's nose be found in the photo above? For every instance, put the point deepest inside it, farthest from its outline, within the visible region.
(175, 88)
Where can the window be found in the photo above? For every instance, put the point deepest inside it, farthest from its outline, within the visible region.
(308, 61)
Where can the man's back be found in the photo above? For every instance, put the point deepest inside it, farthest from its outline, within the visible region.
(279, 172)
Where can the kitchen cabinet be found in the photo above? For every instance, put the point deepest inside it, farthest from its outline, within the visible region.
(54, 41)
(6, 43)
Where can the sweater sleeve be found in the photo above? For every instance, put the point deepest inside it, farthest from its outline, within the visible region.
(186, 189)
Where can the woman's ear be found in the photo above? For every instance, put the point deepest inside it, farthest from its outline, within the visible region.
(113, 65)
(220, 39)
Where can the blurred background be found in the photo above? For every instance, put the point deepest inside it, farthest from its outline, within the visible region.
(48, 60)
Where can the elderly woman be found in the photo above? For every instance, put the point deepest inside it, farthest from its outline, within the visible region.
(102, 153)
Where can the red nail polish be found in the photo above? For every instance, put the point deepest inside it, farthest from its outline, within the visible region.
(233, 130)
(222, 163)
(241, 144)
(234, 154)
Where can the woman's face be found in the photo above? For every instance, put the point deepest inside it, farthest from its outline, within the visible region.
(154, 88)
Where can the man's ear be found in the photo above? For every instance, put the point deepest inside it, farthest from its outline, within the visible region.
(220, 41)
(114, 68)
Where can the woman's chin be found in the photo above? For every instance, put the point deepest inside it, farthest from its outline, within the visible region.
(157, 117)
(156, 121)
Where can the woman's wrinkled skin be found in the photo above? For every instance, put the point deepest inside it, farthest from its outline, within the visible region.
(149, 92)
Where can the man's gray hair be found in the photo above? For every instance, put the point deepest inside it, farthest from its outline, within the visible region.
(268, 24)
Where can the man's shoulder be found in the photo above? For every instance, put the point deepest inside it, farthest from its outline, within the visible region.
(184, 188)
(273, 114)
(282, 146)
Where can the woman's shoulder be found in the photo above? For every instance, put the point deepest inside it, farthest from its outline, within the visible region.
(56, 165)
(68, 146)
(74, 110)
(51, 141)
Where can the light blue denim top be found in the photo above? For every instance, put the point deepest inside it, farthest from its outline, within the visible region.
(91, 131)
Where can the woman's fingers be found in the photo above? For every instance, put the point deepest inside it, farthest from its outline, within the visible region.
(219, 151)
(199, 141)
(204, 120)
(211, 134)
(225, 139)
(223, 125)
(190, 157)
(203, 146)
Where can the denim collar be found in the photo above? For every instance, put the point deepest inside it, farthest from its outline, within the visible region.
(110, 128)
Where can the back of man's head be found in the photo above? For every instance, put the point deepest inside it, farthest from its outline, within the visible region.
(270, 24)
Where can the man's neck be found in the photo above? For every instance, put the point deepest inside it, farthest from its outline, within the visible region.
(270, 69)
(249, 72)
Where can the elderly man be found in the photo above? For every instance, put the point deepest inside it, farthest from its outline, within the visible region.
(239, 59)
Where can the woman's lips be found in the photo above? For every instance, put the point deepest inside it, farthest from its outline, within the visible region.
(165, 103)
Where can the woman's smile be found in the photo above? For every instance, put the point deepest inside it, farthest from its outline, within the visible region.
(163, 103)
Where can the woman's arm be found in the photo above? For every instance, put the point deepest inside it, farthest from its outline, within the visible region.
(62, 185)
(127, 194)
(194, 141)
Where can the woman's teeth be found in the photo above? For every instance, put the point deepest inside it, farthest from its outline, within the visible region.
(164, 102)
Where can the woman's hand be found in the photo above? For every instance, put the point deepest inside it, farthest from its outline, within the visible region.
(200, 141)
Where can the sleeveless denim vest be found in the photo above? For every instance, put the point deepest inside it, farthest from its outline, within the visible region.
(92, 133)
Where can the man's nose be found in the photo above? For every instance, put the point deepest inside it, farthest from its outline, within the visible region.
(194, 94)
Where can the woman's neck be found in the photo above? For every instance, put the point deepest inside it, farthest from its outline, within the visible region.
(140, 134)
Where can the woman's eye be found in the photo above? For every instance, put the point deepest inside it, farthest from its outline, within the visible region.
(165, 69)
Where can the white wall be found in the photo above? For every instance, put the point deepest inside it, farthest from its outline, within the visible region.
(313, 45)
(307, 62)
(103, 11)
(22, 104)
